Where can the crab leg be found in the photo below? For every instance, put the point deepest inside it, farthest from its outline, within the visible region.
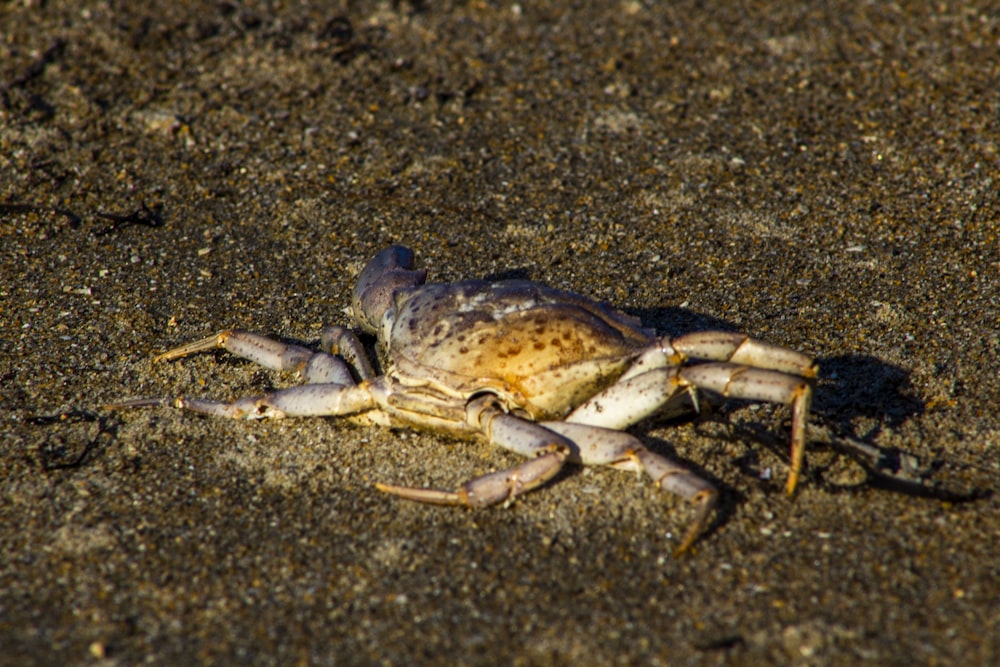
(548, 452)
(329, 390)
(313, 367)
(723, 346)
(737, 348)
(602, 446)
(635, 398)
(631, 400)
(307, 400)
(736, 381)
(343, 342)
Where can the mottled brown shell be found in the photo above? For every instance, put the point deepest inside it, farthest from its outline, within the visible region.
(539, 349)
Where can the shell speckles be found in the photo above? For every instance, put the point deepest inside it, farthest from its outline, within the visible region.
(535, 340)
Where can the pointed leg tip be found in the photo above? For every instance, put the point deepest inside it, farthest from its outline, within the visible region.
(793, 481)
(430, 496)
(170, 355)
(705, 501)
(683, 550)
(694, 532)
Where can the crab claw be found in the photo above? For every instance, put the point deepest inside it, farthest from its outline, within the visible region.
(388, 271)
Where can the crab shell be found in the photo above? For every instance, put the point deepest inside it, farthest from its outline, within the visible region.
(540, 350)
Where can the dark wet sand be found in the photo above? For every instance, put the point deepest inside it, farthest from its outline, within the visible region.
(823, 179)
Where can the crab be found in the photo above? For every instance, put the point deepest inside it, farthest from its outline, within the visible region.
(545, 373)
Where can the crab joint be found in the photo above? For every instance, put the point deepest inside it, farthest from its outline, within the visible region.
(500, 486)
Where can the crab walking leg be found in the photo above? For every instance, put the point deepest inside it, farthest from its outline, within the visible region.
(601, 446)
(631, 400)
(313, 367)
(548, 451)
(723, 346)
(737, 348)
(736, 381)
(343, 342)
(307, 400)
